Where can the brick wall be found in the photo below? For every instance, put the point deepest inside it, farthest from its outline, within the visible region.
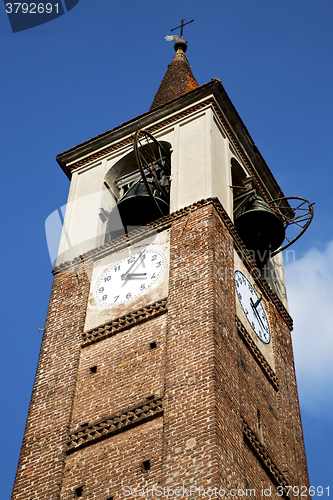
(40, 468)
(107, 468)
(128, 371)
(189, 421)
(183, 398)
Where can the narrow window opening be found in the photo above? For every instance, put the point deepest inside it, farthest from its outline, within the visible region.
(238, 175)
(93, 369)
(260, 433)
(78, 492)
(145, 466)
(150, 398)
(153, 345)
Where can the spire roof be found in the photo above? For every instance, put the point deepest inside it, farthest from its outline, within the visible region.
(178, 79)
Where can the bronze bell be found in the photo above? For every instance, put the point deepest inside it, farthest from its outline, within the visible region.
(137, 207)
(260, 228)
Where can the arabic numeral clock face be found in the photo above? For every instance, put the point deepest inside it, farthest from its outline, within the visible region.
(129, 277)
(252, 307)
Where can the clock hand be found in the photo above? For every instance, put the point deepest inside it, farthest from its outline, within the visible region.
(254, 307)
(258, 316)
(123, 276)
(135, 275)
(257, 303)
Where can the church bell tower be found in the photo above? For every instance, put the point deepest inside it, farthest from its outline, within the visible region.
(166, 367)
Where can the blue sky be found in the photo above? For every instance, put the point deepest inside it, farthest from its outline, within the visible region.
(100, 65)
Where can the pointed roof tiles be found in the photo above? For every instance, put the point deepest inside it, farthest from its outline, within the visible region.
(178, 79)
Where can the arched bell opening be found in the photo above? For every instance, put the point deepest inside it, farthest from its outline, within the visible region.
(260, 226)
(140, 182)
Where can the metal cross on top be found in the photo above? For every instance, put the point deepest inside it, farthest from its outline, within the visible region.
(182, 27)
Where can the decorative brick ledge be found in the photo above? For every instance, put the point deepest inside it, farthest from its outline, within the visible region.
(258, 356)
(124, 322)
(120, 422)
(262, 455)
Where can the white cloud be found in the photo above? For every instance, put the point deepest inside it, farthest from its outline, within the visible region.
(310, 297)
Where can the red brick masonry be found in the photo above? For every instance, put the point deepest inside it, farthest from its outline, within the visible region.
(174, 394)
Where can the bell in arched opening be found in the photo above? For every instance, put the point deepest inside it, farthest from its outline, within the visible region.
(137, 207)
(260, 228)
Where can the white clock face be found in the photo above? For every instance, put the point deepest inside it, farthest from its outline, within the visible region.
(129, 277)
(252, 307)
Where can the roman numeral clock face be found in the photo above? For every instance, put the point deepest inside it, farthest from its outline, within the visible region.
(252, 307)
(129, 277)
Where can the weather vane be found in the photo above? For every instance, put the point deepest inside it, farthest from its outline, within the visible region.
(170, 38)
